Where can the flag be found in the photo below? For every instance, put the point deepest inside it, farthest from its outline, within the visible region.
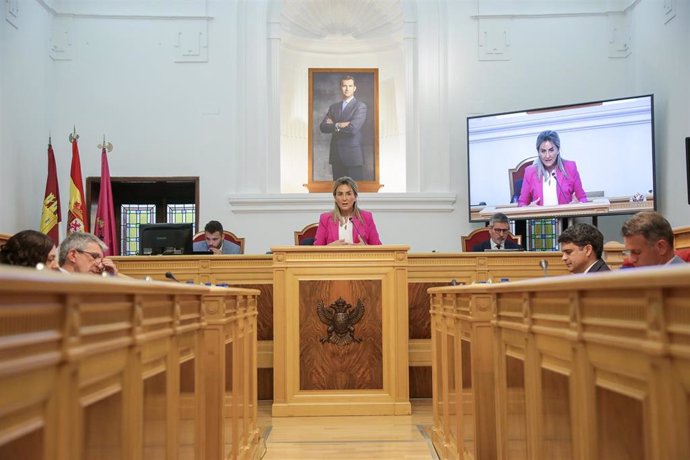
(76, 215)
(51, 214)
(104, 228)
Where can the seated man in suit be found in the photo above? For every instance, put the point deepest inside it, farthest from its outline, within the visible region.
(84, 253)
(582, 246)
(214, 241)
(499, 226)
(648, 239)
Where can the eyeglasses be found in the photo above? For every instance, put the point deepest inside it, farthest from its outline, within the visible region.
(631, 252)
(94, 255)
(500, 230)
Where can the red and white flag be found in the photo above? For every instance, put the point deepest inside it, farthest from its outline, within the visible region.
(76, 215)
(104, 228)
(51, 215)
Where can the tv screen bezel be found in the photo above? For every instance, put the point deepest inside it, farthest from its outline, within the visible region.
(180, 227)
(474, 216)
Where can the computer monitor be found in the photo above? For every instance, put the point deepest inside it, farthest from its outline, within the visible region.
(166, 239)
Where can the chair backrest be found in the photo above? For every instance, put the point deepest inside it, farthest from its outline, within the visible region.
(681, 237)
(515, 176)
(227, 236)
(480, 235)
(306, 236)
(3, 238)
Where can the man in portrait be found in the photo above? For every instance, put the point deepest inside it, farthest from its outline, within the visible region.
(344, 121)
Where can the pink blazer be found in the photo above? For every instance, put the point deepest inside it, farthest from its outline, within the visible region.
(327, 232)
(532, 187)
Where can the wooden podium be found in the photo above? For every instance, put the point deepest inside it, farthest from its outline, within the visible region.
(340, 325)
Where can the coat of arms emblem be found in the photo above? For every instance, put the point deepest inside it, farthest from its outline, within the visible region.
(340, 319)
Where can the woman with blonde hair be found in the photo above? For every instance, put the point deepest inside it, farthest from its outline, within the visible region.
(346, 224)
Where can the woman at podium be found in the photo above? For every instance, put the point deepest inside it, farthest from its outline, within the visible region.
(346, 224)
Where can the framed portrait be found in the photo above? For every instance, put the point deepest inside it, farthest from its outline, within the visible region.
(343, 127)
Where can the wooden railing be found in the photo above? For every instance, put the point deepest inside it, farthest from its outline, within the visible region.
(94, 368)
(585, 367)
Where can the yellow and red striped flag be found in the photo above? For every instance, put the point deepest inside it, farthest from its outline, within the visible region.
(76, 214)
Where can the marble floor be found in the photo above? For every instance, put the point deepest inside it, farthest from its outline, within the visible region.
(353, 437)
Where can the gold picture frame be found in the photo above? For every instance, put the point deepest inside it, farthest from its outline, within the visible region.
(357, 148)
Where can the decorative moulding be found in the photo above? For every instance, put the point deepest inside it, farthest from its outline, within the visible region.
(318, 202)
(494, 39)
(191, 44)
(61, 42)
(12, 12)
(619, 35)
(670, 8)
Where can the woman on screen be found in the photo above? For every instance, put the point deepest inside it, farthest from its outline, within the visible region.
(551, 180)
(346, 224)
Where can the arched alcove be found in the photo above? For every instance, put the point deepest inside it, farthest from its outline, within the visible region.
(327, 34)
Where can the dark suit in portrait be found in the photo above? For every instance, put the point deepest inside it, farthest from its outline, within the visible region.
(507, 244)
(346, 153)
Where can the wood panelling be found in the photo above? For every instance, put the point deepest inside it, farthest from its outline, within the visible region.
(340, 366)
(585, 367)
(264, 319)
(420, 382)
(425, 270)
(377, 367)
(420, 317)
(120, 368)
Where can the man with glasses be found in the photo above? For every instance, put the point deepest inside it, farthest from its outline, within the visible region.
(648, 239)
(83, 253)
(582, 246)
(499, 227)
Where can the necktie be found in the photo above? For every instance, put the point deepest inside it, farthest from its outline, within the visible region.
(344, 105)
(498, 246)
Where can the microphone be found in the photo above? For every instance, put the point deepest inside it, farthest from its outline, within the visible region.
(170, 276)
(544, 264)
(358, 234)
(559, 190)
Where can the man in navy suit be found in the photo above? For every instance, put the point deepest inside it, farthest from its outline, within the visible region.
(344, 122)
(499, 226)
(582, 246)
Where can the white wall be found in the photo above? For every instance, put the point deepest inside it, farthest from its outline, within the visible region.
(213, 118)
(26, 102)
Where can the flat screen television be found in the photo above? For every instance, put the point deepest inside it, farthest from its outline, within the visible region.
(166, 239)
(611, 144)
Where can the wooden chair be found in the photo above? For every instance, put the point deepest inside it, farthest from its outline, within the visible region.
(515, 176)
(227, 236)
(305, 237)
(3, 238)
(480, 235)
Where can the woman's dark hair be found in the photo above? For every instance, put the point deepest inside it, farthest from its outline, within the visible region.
(26, 248)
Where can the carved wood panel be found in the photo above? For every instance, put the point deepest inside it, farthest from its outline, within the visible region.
(329, 366)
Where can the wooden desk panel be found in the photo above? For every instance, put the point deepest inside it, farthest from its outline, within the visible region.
(424, 270)
(586, 367)
(118, 368)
